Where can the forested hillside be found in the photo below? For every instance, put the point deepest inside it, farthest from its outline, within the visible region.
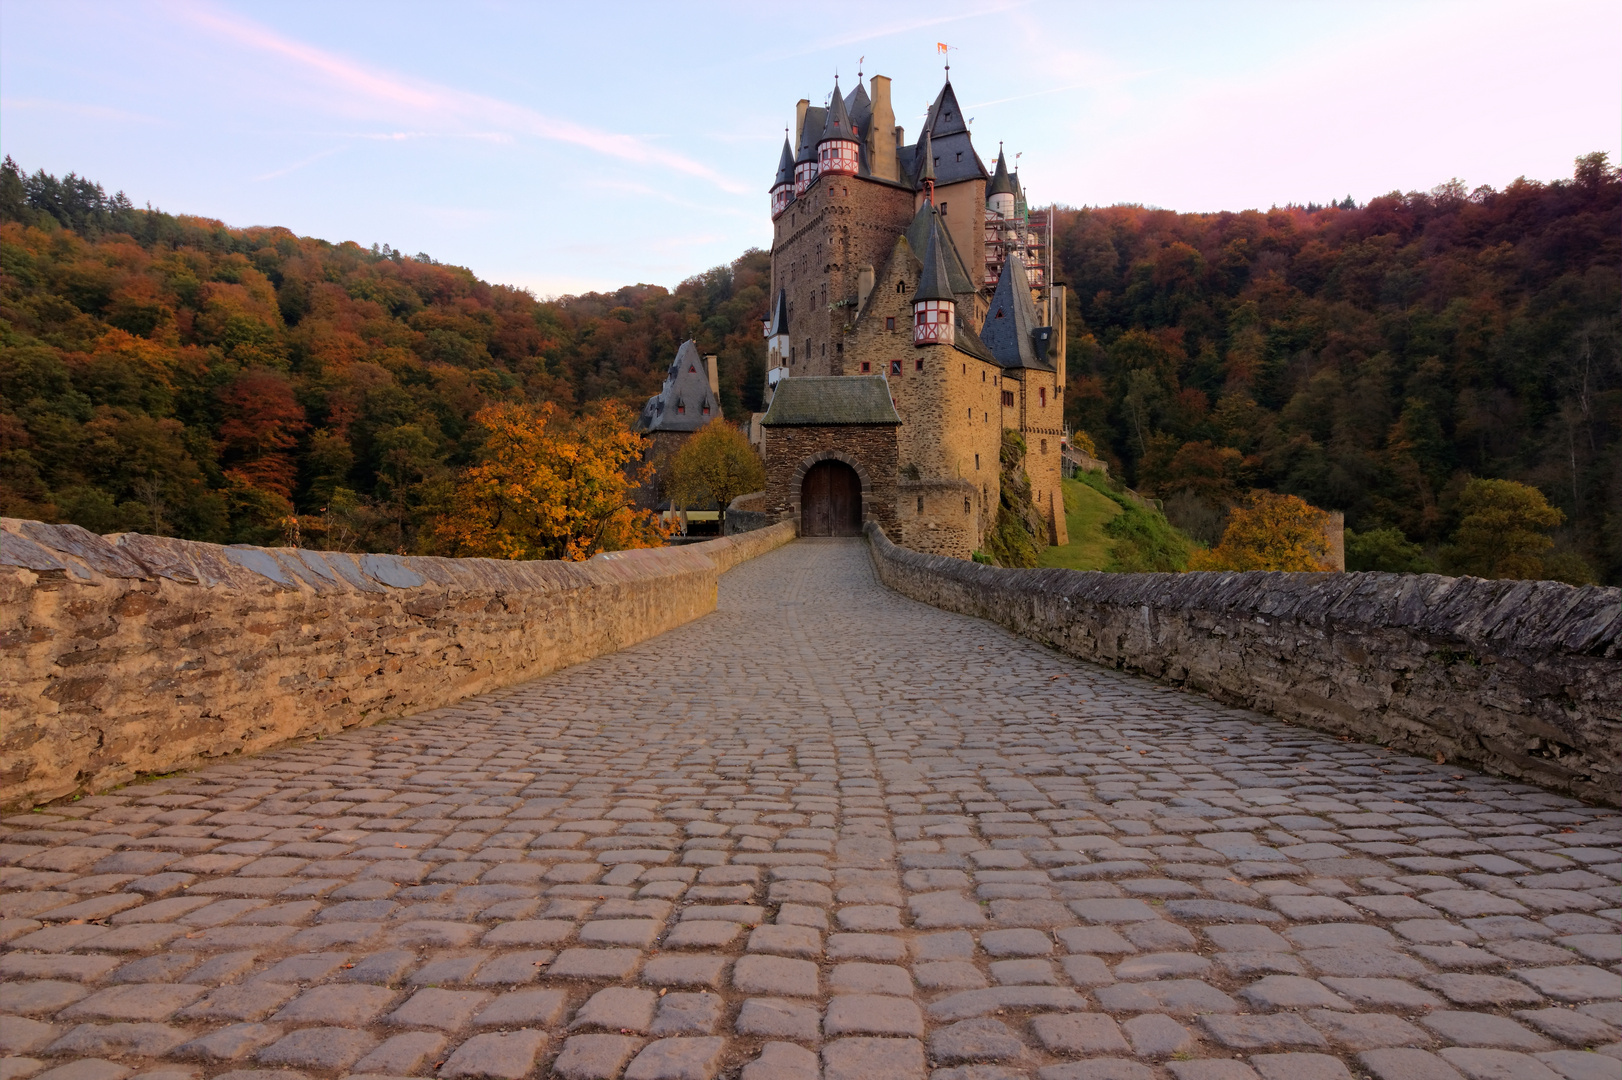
(1368, 359)
(170, 374)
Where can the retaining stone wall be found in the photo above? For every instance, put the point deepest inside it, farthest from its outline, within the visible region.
(1521, 678)
(130, 654)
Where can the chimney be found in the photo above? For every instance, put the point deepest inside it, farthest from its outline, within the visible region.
(881, 153)
(864, 283)
(715, 376)
(799, 122)
(900, 136)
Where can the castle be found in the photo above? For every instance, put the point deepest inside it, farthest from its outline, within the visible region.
(913, 323)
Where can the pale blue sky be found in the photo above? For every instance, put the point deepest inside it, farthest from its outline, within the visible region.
(573, 146)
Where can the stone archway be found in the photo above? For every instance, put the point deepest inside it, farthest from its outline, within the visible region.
(831, 500)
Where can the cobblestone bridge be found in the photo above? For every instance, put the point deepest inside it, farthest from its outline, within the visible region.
(823, 831)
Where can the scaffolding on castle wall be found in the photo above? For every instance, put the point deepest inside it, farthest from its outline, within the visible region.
(1025, 232)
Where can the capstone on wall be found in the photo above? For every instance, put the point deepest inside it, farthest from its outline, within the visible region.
(1522, 678)
(128, 654)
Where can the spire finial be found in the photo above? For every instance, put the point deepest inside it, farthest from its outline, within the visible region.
(859, 62)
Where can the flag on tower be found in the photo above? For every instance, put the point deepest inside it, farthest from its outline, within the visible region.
(940, 46)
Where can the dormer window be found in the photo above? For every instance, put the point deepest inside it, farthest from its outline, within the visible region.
(681, 407)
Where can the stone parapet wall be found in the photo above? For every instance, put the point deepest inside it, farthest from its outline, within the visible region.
(133, 654)
(1521, 678)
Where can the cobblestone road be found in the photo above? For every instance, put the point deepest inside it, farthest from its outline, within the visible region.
(824, 831)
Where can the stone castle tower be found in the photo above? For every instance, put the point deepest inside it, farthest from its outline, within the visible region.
(912, 269)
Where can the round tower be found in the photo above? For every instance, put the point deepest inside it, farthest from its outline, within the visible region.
(838, 151)
(1000, 195)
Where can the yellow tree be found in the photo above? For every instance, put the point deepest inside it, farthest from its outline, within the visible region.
(716, 464)
(550, 487)
(1269, 531)
(1503, 530)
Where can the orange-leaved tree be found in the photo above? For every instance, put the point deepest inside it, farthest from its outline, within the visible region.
(1269, 531)
(550, 487)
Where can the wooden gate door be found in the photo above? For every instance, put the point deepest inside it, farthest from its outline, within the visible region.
(831, 500)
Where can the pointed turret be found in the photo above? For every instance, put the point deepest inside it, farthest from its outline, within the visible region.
(777, 325)
(926, 168)
(1012, 331)
(838, 150)
(777, 343)
(805, 160)
(933, 305)
(783, 185)
(1002, 183)
(952, 153)
(1000, 195)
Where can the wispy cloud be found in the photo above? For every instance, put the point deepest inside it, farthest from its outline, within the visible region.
(94, 112)
(297, 165)
(421, 103)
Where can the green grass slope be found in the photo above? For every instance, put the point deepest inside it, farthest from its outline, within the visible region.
(1086, 512)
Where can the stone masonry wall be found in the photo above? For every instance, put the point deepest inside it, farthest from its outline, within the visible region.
(134, 654)
(870, 448)
(1521, 678)
(819, 246)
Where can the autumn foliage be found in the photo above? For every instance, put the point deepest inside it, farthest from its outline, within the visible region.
(1503, 531)
(1369, 359)
(1269, 531)
(170, 375)
(714, 466)
(546, 486)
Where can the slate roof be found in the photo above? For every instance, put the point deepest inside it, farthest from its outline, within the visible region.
(918, 240)
(948, 141)
(965, 340)
(779, 323)
(934, 283)
(785, 166)
(1012, 330)
(679, 406)
(832, 401)
(1001, 184)
(836, 125)
(810, 134)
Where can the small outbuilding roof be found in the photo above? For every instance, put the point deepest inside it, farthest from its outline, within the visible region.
(831, 401)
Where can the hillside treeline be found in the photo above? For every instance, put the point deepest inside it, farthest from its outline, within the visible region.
(166, 374)
(1367, 359)
(169, 374)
